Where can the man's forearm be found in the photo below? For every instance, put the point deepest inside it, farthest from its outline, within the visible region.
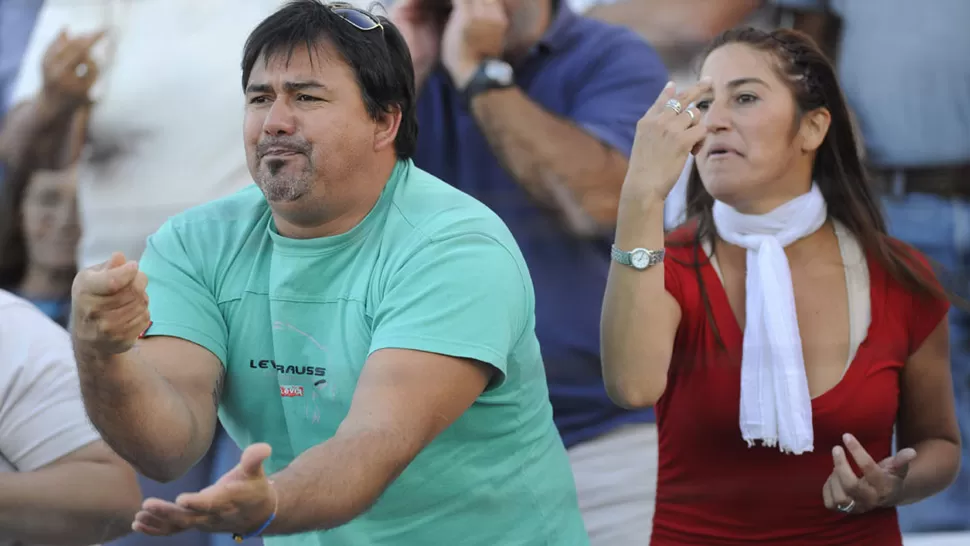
(140, 414)
(333, 483)
(72, 503)
(34, 133)
(683, 23)
(558, 163)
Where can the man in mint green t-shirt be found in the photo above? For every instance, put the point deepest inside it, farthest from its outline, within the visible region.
(365, 331)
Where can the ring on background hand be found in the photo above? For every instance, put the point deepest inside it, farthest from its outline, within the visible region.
(847, 508)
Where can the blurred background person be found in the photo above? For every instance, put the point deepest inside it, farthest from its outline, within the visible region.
(59, 482)
(39, 229)
(163, 133)
(905, 70)
(532, 109)
(679, 30)
(39, 233)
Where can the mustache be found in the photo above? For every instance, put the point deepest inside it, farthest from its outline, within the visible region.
(282, 145)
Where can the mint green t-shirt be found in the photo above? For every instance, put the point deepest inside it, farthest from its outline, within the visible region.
(293, 322)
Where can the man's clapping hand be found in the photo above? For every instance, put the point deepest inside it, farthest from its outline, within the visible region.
(109, 306)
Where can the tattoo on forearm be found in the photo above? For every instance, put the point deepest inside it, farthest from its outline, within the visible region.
(217, 391)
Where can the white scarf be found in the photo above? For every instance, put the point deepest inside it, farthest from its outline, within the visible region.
(776, 407)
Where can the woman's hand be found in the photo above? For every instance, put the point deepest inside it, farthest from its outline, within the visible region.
(879, 486)
(666, 135)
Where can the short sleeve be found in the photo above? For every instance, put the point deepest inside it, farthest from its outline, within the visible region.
(42, 416)
(926, 310)
(627, 81)
(680, 247)
(181, 304)
(466, 296)
(672, 279)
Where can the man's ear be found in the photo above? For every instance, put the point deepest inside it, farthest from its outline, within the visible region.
(386, 127)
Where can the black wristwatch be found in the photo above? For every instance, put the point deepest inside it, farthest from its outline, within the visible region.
(491, 74)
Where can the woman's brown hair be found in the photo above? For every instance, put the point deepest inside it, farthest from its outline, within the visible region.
(838, 169)
(13, 244)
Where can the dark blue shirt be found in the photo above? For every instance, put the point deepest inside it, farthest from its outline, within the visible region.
(602, 78)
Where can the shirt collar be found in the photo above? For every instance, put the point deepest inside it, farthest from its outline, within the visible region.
(556, 36)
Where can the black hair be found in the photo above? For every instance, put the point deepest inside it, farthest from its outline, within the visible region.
(379, 58)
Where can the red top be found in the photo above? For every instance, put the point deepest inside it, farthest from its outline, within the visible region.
(713, 489)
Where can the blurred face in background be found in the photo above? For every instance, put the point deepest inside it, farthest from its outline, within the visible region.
(50, 219)
(528, 20)
(759, 148)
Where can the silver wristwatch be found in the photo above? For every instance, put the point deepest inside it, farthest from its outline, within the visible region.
(638, 258)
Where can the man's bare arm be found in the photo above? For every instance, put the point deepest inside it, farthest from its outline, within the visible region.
(86, 497)
(404, 399)
(558, 163)
(34, 134)
(684, 23)
(155, 405)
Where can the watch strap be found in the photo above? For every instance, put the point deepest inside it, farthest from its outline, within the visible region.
(481, 82)
(653, 257)
(619, 256)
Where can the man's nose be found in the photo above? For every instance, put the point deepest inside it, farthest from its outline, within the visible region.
(280, 120)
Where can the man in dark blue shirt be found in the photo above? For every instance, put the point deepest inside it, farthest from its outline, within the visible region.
(532, 109)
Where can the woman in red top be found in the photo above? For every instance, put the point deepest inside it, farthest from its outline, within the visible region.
(785, 334)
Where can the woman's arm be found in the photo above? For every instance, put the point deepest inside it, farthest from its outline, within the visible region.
(927, 418)
(640, 317)
(35, 133)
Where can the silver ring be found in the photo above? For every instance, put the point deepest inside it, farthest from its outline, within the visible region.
(675, 105)
(693, 117)
(81, 70)
(847, 508)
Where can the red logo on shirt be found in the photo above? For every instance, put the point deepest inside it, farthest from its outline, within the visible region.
(142, 335)
(291, 391)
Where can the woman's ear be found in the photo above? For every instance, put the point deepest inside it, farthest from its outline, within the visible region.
(815, 125)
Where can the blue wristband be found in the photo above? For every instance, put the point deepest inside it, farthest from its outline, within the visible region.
(256, 533)
(239, 538)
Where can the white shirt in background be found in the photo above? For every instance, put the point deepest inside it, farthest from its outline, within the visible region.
(166, 133)
(42, 416)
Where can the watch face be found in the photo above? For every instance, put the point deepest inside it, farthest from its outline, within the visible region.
(639, 258)
(499, 71)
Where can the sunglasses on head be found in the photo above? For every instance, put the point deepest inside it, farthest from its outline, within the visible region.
(360, 19)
